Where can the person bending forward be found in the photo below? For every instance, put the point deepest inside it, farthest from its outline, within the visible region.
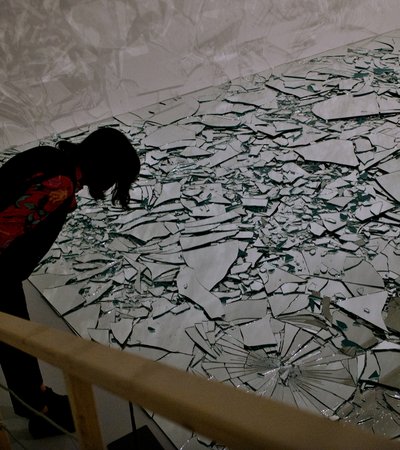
(37, 192)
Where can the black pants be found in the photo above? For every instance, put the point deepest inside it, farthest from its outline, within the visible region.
(17, 262)
(21, 370)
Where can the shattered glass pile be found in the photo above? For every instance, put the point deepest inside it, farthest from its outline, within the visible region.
(263, 247)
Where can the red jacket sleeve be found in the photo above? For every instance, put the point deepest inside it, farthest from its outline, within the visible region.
(34, 206)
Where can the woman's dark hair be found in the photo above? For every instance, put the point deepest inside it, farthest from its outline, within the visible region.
(106, 158)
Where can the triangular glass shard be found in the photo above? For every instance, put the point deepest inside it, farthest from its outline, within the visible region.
(391, 184)
(121, 330)
(367, 307)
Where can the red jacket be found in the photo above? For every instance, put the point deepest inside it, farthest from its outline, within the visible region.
(37, 191)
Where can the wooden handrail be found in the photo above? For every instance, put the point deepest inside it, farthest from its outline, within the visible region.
(230, 416)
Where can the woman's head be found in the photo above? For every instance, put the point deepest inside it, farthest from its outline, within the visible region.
(107, 159)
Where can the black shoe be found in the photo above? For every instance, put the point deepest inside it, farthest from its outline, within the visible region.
(59, 411)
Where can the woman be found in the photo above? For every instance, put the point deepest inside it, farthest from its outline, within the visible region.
(37, 191)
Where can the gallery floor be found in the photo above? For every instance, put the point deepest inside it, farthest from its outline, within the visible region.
(262, 248)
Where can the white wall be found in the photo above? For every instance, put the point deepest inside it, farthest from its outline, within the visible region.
(64, 63)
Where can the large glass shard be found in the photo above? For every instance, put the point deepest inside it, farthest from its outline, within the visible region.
(150, 231)
(167, 332)
(389, 363)
(390, 183)
(245, 310)
(64, 298)
(49, 280)
(363, 274)
(170, 191)
(83, 319)
(334, 151)
(355, 333)
(220, 156)
(212, 263)
(189, 286)
(377, 207)
(121, 330)
(258, 333)
(348, 106)
(367, 307)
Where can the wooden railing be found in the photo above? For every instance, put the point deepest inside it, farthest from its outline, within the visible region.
(237, 419)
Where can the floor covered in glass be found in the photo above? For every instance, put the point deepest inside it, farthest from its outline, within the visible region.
(263, 244)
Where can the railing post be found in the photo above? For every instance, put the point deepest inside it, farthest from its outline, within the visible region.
(84, 411)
